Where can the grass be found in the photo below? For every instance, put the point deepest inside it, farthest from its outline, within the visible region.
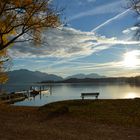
(119, 112)
(73, 120)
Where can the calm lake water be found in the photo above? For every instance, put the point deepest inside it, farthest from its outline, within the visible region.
(73, 91)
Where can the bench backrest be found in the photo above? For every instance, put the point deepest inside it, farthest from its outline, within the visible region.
(90, 94)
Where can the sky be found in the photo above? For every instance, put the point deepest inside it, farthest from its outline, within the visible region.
(98, 37)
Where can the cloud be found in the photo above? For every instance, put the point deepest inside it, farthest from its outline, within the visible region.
(91, 0)
(130, 30)
(126, 31)
(67, 43)
(83, 2)
(107, 68)
(108, 8)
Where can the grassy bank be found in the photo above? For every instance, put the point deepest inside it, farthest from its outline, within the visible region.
(73, 120)
(120, 112)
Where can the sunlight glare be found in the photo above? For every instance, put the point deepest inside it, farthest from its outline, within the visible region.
(131, 95)
(130, 59)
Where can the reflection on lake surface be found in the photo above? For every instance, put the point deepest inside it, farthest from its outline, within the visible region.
(73, 91)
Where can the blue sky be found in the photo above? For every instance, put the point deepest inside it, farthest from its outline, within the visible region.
(98, 38)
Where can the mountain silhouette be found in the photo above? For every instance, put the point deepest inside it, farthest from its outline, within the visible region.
(83, 76)
(26, 76)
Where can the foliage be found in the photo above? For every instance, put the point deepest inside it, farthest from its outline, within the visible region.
(23, 20)
(20, 19)
(4, 66)
(3, 77)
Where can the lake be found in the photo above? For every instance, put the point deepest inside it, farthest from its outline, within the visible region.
(73, 91)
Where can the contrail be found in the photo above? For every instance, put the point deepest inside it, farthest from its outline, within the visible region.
(110, 20)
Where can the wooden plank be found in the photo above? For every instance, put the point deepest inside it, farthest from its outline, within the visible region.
(96, 94)
(90, 94)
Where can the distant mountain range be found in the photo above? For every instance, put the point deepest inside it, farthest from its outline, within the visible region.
(26, 76)
(83, 76)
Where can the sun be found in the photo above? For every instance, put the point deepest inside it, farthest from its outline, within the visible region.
(131, 59)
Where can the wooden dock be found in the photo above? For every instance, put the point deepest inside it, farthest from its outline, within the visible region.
(12, 98)
(22, 95)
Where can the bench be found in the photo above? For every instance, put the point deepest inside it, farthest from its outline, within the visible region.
(96, 94)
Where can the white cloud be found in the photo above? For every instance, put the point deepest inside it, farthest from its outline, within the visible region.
(108, 68)
(67, 43)
(130, 30)
(126, 31)
(82, 2)
(91, 0)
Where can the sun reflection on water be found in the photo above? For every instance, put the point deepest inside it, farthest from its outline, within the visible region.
(131, 95)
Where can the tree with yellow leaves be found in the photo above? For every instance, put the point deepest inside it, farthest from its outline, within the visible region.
(4, 60)
(24, 20)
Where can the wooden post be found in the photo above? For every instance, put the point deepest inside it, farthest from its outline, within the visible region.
(97, 97)
(30, 87)
(28, 93)
(40, 96)
(51, 89)
(40, 90)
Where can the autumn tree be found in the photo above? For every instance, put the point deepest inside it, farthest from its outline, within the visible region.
(4, 66)
(24, 20)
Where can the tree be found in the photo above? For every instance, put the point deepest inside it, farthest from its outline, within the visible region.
(135, 5)
(4, 66)
(20, 19)
(23, 20)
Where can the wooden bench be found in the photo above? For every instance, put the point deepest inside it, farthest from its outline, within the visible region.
(96, 94)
